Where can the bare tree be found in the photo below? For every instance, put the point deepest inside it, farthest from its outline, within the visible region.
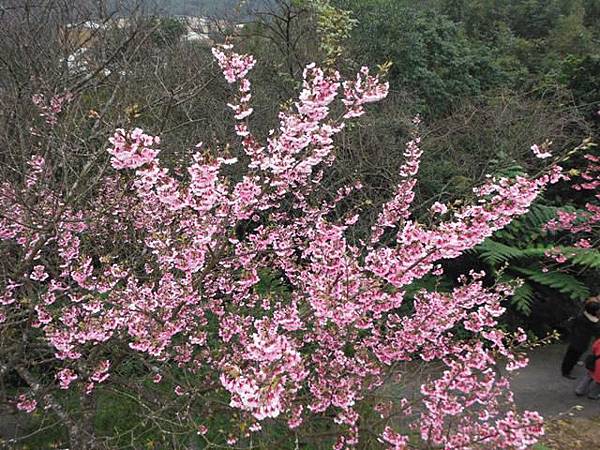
(72, 72)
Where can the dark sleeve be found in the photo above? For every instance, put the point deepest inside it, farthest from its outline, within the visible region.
(582, 333)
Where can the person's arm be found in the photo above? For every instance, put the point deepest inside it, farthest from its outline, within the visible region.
(597, 330)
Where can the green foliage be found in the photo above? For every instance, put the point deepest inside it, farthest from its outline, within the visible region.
(429, 283)
(523, 298)
(588, 257)
(431, 54)
(528, 228)
(580, 74)
(592, 13)
(119, 420)
(528, 19)
(495, 253)
(563, 282)
(532, 37)
(334, 26)
(570, 35)
(520, 251)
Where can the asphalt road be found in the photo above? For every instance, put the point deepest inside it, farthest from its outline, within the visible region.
(541, 387)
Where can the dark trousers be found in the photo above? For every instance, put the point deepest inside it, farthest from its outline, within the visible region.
(570, 359)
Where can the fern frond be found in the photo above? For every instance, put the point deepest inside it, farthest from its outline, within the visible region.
(563, 282)
(523, 298)
(494, 252)
(529, 225)
(540, 215)
(537, 251)
(586, 257)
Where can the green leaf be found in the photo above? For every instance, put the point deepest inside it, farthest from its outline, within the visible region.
(523, 298)
(563, 282)
(495, 253)
(586, 257)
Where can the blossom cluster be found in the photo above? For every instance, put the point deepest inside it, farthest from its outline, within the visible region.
(585, 221)
(155, 264)
(50, 109)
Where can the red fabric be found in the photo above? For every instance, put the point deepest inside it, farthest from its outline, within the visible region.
(596, 351)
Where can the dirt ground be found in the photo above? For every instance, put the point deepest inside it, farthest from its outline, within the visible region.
(572, 434)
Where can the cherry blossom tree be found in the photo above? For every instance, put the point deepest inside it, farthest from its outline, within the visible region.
(164, 267)
(585, 222)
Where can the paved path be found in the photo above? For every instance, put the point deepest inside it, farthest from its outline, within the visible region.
(540, 386)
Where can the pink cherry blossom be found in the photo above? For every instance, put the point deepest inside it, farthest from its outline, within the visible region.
(26, 403)
(168, 265)
(66, 377)
(540, 152)
(39, 273)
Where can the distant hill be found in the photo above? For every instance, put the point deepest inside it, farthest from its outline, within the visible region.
(211, 8)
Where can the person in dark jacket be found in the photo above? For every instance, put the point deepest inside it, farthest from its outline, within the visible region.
(586, 325)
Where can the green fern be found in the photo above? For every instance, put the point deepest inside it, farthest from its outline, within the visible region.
(585, 257)
(429, 283)
(530, 225)
(537, 251)
(510, 171)
(523, 298)
(494, 252)
(520, 250)
(563, 282)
